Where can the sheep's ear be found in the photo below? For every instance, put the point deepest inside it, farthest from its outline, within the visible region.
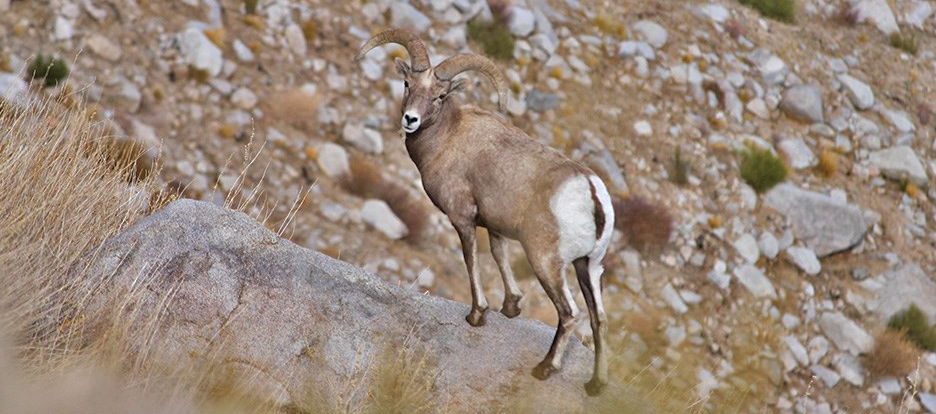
(402, 67)
(456, 85)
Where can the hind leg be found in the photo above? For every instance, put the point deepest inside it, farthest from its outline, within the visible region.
(589, 277)
(548, 268)
(512, 292)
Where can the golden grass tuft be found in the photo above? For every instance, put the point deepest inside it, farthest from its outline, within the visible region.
(296, 108)
(216, 36)
(828, 163)
(893, 354)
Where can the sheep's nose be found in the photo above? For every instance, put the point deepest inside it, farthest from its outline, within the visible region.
(410, 119)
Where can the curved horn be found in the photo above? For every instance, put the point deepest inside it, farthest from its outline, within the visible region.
(460, 63)
(419, 57)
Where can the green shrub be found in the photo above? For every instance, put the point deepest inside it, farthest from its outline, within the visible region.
(681, 167)
(494, 37)
(251, 6)
(51, 70)
(916, 325)
(762, 169)
(781, 10)
(908, 43)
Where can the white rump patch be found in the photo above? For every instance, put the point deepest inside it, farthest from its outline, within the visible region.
(573, 207)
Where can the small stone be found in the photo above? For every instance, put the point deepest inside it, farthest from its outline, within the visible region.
(889, 386)
(128, 96)
(103, 47)
(669, 295)
(857, 91)
(541, 101)
(768, 245)
(804, 103)
(905, 285)
(522, 21)
(828, 377)
(899, 120)
(200, 52)
(295, 39)
(860, 273)
(64, 29)
(797, 349)
(643, 128)
(845, 333)
(379, 215)
(928, 401)
(804, 259)
(651, 32)
(878, 12)
(917, 17)
(630, 48)
(798, 153)
(455, 38)
(675, 335)
(244, 98)
(714, 11)
(758, 107)
(13, 89)
(747, 248)
(333, 160)
(754, 280)
(899, 163)
(426, 278)
(850, 369)
(405, 16)
(818, 348)
(244, 54)
(364, 138)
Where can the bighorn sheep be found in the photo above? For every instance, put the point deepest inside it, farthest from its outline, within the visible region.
(482, 171)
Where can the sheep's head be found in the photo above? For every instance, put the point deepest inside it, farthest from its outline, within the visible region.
(427, 88)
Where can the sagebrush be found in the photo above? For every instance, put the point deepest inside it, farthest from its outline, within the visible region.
(762, 169)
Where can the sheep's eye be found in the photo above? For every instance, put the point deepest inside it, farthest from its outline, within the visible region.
(406, 84)
(441, 97)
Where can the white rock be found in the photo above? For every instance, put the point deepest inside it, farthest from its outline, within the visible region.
(244, 98)
(13, 89)
(747, 248)
(643, 128)
(651, 32)
(899, 163)
(242, 51)
(797, 349)
(364, 138)
(630, 48)
(889, 386)
(455, 38)
(128, 96)
(818, 347)
(405, 16)
(899, 120)
(675, 335)
(828, 377)
(295, 39)
(379, 215)
(754, 280)
(333, 160)
(714, 11)
(798, 153)
(669, 295)
(372, 70)
(917, 17)
(199, 52)
(879, 13)
(768, 245)
(426, 278)
(707, 383)
(64, 29)
(103, 47)
(850, 369)
(845, 333)
(758, 107)
(805, 259)
(522, 21)
(857, 91)
(748, 197)
(902, 286)
(928, 401)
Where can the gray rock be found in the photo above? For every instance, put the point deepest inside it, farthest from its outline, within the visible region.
(768, 245)
(803, 102)
(798, 153)
(631, 48)
(805, 259)
(928, 401)
(675, 335)
(522, 21)
(242, 51)
(754, 280)
(850, 369)
(456, 37)
(889, 386)
(845, 333)
(899, 120)
(917, 17)
(714, 11)
(295, 39)
(797, 349)
(244, 98)
(825, 224)
(905, 285)
(899, 163)
(64, 28)
(818, 347)
(333, 160)
(541, 101)
(290, 320)
(772, 69)
(857, 91)
(672, 299)
(405, 16)
(602, 161)
(364, 138)
(13, 89)
(103, 47)
(651, 32)
(747, 248)
(828, 377)
(878, 12)
(199, 52)
(378, 214)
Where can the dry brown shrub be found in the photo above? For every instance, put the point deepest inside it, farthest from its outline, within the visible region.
(366, 180)
(646, 226)
(296, 108)
(734, 28)
(845, 15)
(893, 354)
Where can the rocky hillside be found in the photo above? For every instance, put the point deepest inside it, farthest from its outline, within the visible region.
(767, 298)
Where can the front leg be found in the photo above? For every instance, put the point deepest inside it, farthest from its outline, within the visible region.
(467, 233)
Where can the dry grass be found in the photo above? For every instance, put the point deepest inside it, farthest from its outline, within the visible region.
(893, 354)
(845, 15)
(646, 226)
(367, 180)
(828, 163)
(296, 108)
(906, 42)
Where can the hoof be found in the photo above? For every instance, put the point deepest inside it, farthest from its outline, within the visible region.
(594, 387)
(475, 318)
(543, 371)
(511, 309)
